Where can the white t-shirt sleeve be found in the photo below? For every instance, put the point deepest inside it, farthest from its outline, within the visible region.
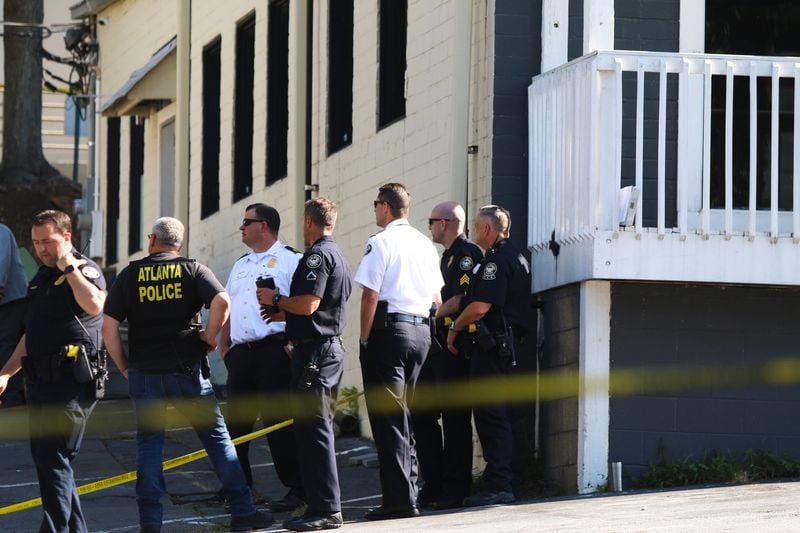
(372, 268)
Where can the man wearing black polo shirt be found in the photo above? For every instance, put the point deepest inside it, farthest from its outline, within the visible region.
(314, 312)
(445, 453)
(64, 305)
(498, 297)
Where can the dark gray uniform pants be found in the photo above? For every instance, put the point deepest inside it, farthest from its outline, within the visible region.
(313, 423)
(390, 367)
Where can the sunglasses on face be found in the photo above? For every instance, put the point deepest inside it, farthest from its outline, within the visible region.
(432, 220)
(376, 202)
(248, 221)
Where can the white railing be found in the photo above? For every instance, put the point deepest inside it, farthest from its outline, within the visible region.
(575, 136)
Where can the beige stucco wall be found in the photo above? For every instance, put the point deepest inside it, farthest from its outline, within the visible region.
(448, 106)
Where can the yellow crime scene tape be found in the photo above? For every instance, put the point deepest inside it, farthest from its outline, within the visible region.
(517, 388)
(130, 476)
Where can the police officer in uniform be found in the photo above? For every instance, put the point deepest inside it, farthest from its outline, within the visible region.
(315, 319)
(64, 306)
(253, 350)
(445, 453)
(400, 279)
(160, 297)
(498, 298)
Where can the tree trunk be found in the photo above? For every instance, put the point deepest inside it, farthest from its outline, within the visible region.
(28, 183)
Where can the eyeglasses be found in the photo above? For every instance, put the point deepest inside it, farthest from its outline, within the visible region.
(248, 221)
(150, 236)
(376, 202)
(432, 220)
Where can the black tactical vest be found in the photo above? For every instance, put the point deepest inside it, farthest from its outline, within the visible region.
(162, 302)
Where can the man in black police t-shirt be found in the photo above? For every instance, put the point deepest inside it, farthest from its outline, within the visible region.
(160, 296)
(445, 452)
(498, 296)
(315, 318)
(64, 306)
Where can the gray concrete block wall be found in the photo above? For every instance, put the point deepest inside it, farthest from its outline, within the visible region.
(559, 418)
(651, 25)
(575, 30)
(518, 55)
(667, 325)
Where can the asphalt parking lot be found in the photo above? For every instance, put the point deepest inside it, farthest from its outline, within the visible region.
(190, 507)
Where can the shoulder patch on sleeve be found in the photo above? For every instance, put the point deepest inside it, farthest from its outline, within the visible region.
(466, 263)
(490, 271)
(313, 261)
(311, 276)
(89, 271)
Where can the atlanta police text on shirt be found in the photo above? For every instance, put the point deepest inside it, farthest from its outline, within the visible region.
(161, 291)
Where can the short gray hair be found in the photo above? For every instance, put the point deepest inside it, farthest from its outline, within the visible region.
(498, 218)
(169, 232)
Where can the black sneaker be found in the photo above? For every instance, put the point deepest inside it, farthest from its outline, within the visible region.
(314, 522)
(149, 528)
(489, 498)
(427, 497)
(252, 522)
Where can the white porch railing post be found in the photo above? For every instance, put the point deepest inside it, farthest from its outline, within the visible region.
(639, 146)
(775, 141)
(728, 149)
(617, 176)
(706, 209)
(662, 143)
(752, 204)
(796, 152)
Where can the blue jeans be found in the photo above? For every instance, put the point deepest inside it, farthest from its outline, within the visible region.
(196, 401)
(57, 416)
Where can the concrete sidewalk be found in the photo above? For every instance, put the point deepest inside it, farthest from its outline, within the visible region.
(766, 506)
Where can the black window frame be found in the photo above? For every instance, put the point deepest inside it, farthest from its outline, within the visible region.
(277, 91)
(112, 189)
(340, 74)
(243, 107)
(136, 184)
(212, 80)
(392, 43)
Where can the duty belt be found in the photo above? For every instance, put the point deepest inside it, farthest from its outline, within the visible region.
(409, 319)
(317, 340)
(269, 339)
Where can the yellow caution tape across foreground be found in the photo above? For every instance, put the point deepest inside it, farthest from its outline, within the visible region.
(130, 476)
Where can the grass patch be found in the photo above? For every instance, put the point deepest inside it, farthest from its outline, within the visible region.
(719, 467)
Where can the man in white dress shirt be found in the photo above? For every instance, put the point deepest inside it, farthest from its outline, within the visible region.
(400, 278)
(253, 350)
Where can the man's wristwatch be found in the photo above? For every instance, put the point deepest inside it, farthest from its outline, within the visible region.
(69, 270)
(453, 327)
(364, 343)
(276, 299)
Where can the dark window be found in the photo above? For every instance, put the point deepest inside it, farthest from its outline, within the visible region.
(764, 28)
(209, 202)
(112, 192)
(340, 74)
(392, 67)
(135, 187)
(277, 90)
(243, 108)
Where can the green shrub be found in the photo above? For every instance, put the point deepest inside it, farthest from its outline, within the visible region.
(718, 467)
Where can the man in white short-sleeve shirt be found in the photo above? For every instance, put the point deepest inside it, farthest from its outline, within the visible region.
(253, 350)
(400, 279)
